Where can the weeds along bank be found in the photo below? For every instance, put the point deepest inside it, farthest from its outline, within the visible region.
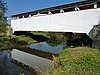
(7, 42)
(71, 61)
(27, 38)
(24, 38)
(76, 61)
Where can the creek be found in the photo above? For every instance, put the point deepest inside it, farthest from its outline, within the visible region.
(25, 60)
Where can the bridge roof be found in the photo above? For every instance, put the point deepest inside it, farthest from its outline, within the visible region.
(82, 3)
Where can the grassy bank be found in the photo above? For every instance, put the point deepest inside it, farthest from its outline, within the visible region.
(77, 61)
(7, 42)
(40, 33)
(51, 35)
(24, 39)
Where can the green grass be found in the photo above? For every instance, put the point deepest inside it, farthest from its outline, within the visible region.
(26, 39)
(49, 34)
(77, 61)
(7, 42)
(40, 33)
(22, 40)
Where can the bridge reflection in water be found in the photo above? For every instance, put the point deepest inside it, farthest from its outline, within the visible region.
(30, 61)
(24, 60)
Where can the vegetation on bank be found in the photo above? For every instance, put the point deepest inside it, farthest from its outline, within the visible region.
(24, 39)
(76, 61)
(51, 35)
(7, 42)
(40, 33)
(3, 21)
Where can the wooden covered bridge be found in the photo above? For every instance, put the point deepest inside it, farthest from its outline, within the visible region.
(77, 17)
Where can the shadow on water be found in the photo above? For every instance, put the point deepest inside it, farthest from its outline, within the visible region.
(39, 53)
(38, 38)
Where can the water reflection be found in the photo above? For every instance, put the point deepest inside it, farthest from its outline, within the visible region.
(49, 46)
(31, 60)
(14, 62)
(9, 68)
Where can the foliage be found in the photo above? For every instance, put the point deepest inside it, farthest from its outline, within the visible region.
(3, 22)
(9, 42)
(22, 73)
(3, 27)
(55, 35)
(3, 7)
(77, 61)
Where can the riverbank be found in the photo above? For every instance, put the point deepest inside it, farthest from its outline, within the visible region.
(26, 38)
(76, 61)
(71, 61)
(8, 42)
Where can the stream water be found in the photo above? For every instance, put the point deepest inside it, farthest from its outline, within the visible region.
(47, 47)
(25, 60)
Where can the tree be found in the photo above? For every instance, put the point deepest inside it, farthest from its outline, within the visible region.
(3, 22)
(3, 7)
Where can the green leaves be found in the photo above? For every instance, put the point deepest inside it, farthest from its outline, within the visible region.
(3, 7)
(3, 22)
(21, 73)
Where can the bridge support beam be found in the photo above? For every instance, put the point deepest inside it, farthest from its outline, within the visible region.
(95, 5)
(77, 8)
